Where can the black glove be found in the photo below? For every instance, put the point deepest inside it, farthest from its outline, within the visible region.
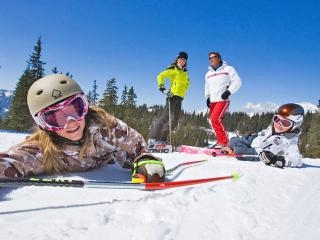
(162, 89)
(149, 167)
(208, 102)
(166, 92)
(225, 95)
(269, 158)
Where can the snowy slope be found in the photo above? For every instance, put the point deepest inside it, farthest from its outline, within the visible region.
(265, 203)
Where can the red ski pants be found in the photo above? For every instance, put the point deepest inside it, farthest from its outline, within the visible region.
(217, 111)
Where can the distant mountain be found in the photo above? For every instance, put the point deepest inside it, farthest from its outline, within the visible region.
(5, 101)
(251, 108)
(259, 107)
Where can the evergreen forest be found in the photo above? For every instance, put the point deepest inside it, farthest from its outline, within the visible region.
(193, 129)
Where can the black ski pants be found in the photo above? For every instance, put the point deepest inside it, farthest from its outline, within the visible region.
(160, 129)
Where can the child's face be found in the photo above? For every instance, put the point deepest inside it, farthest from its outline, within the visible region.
(281, 124)
(279, 128)
(73, 130)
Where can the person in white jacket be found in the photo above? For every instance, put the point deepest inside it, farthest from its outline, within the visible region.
(221, 81)
(276, 145)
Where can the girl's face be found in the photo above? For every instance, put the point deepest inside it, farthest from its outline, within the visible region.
(66, 118)
(279, 128)
(73, 130)
(281, 124)
(181, 62)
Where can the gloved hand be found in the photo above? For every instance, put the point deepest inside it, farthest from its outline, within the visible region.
(274, 144)
(166, 92)
(208, 102)
(161, 89)
(149, 167)
(269, 158)
(225, 95)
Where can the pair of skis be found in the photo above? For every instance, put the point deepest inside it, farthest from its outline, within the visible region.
(57, 182)
(215, 152)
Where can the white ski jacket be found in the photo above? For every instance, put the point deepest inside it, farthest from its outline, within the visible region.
(285, 144)
(220, 80)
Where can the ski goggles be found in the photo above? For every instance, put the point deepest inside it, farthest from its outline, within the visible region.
(284, 122)
(56, 117)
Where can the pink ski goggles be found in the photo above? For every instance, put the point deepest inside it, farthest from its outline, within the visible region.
(57, 116)
(284, 122)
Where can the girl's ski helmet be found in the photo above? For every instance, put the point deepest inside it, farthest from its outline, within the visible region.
(293, 112)
(49, 90)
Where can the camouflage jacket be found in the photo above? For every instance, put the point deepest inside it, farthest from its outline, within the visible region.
(120, 144)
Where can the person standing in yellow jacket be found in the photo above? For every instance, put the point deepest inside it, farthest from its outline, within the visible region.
(177, 74)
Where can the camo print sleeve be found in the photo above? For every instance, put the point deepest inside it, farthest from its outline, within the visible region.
(21, 160)
(129, 144)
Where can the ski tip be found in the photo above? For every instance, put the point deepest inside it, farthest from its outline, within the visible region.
(235, 176)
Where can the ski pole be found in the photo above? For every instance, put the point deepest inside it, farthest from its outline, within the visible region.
(171, 170)
(139, 178)
(166, 185)
(52, 182)
(170, 127)
(233, 155)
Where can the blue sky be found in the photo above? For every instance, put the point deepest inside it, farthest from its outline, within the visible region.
(274, 45)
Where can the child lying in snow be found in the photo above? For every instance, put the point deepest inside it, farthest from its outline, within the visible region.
(278, 144)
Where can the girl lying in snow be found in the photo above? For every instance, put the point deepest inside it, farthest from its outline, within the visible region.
(278, 144)
(75, 137)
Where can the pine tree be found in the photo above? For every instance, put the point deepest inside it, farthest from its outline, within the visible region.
(95, 94)
(129, 110)
(109, 97)
(131, 97)
(35, 63)
(89, 98)
(124, 96)
(69, 75)
(311, 138)
(19, 117)
(54, 70)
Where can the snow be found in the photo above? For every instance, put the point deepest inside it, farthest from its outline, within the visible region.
(265, 203)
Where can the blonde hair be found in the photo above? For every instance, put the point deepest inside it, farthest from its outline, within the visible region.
(52, 151)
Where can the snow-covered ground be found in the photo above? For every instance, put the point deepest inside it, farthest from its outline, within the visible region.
(265, 203)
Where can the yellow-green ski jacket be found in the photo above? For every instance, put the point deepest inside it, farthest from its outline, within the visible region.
(179, 80)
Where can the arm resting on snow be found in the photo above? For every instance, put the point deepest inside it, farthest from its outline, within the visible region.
(287, 148)
(21, 160)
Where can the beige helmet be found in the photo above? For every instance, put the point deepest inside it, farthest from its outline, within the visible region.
(49, 90)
